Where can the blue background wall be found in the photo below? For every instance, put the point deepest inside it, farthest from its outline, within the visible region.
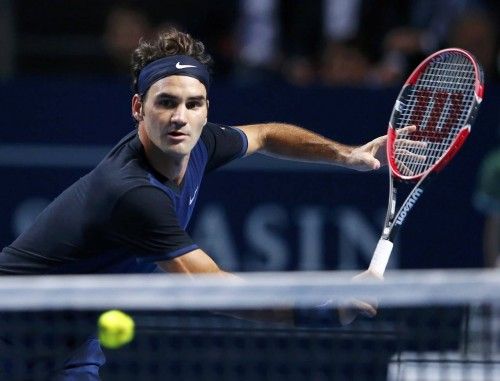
(258, 214)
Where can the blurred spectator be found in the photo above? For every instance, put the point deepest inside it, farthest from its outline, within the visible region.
(343, 62)
(487, 201)
(94, 37)
(279, 38)
(301, 40)
(475, 32)
(212, 21)
(257, 34)
(288, 37)
(341, 19)
(425, 28)
(124, 27)
(344, 65)
(346, 42)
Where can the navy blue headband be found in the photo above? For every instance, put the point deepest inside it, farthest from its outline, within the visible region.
(172, 65)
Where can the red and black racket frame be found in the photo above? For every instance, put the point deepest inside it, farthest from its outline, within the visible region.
(393, 222)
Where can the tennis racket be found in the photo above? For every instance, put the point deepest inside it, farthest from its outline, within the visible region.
(441, 99)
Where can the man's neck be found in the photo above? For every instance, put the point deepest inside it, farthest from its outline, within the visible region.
(172, 167)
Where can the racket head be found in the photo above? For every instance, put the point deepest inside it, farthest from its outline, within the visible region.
(441, 98)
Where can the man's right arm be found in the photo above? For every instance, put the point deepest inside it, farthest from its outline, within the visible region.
(194, 262)
(199, 262)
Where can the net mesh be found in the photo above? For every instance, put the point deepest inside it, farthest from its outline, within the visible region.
(429, 326)
(438, 103)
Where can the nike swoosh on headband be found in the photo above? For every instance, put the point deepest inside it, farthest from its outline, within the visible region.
(172, 65)
(179, 66)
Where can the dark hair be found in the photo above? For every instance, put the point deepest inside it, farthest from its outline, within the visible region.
(168, 43)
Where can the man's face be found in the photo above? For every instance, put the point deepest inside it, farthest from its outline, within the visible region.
(174, 114)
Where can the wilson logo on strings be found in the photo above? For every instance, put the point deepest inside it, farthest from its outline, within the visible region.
(435, 114)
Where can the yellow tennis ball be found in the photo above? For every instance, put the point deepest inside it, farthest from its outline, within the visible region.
(116, 329)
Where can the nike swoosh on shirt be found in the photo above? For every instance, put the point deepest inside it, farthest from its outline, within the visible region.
(179, 66)
(191, 199)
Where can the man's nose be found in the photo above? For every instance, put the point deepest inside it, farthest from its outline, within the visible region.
(179, 115)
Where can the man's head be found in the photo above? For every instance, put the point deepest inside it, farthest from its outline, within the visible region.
(171, 81)
(169, 43)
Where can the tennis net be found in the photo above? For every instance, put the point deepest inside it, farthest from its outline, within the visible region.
(430, 325)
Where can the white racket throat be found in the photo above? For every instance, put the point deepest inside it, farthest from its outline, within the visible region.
(381, 256)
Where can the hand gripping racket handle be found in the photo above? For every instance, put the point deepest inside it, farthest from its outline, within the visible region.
(381, 256)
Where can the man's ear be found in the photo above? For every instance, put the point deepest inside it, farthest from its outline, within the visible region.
(137, 108)
(208, 105)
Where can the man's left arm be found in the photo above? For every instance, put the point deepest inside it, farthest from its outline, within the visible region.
(296, 143)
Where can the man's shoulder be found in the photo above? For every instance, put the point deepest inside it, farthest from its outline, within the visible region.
(213, 128)
(213, 132)
(122, 169)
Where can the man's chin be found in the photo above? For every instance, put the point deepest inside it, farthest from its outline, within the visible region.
(177, 150)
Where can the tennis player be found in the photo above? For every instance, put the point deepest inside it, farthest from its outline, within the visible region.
(130, 213)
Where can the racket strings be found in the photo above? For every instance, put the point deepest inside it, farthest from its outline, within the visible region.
(438, 104)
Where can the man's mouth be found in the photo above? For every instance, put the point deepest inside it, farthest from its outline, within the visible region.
(177, 136)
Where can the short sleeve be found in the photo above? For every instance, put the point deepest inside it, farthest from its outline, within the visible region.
(144, 221)
(224, 144)
(487, 196)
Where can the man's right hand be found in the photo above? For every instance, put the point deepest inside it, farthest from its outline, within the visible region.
(356, 307)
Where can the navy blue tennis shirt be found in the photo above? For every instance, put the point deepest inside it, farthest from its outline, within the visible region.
(123, 216)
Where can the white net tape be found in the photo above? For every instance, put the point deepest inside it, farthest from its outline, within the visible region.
(266, 290)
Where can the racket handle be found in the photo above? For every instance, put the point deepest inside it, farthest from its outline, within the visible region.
(381, 256)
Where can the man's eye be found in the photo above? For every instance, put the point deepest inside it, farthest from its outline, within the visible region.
(191, 105)
(166, 103)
